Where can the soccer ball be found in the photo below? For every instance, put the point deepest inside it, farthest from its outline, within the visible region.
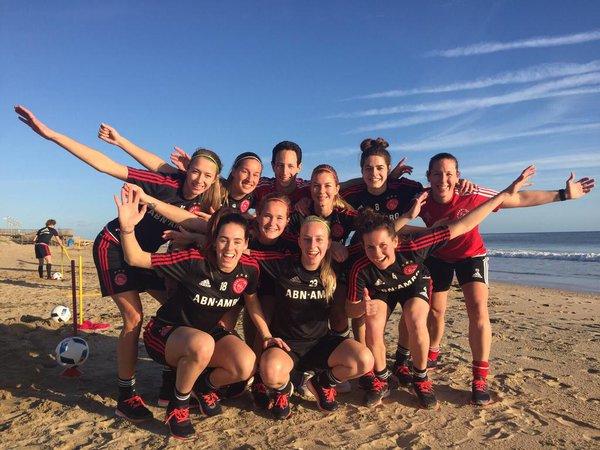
(72, 351)
(60, 314)
(57, 276)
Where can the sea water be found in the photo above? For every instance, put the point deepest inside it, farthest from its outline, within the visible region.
(565, 260)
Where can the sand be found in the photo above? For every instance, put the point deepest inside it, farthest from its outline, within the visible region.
(545, 379)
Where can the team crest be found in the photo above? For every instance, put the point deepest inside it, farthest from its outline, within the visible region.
(461, 213)
(244, 205)
(239, 285)
(337, 231)
(409, 269)
(120, 279)
(195, 209)
(392, 204)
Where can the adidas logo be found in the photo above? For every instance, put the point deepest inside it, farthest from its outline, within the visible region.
(476, 274)
(379, 282)
(296, 279)
(205, 283)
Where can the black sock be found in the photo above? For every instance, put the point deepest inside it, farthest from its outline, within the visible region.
(41, 270)
(382, 374)
(285, 389)
(126, 388)
(203, 384)
(419, 375)
(49, 270)
(327, 379)
(402, 355)
(181, 400)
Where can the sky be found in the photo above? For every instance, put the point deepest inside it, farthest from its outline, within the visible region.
(499, 84)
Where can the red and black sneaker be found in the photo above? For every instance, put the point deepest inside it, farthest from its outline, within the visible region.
(133, 409)
(178, 420)
(209, 403)
(402, 374)
(479, 392)
(377, 390)
(281, 404)
(259, 393)
(325, 395)
(424, 391)
(233, 390)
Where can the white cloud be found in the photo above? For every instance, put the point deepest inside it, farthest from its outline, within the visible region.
(536, 42)
(527, 75)
(567, 161)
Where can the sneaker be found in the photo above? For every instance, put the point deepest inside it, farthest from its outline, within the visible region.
(299, 380)
(133, 409)
(281, 404)
(377, 390)
(344, 387)
(325, 395)
(233, 390)
(178, 420)
(424, 391)
(209, 403)
(259, 393)
(432, 364)
(402, 373)
(364, 382)
(479, 392)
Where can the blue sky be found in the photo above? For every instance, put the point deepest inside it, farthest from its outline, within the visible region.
(499, 84)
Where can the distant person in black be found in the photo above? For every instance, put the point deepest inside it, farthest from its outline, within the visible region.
(186, 333)
(393, 272)
(43, 236)
(198, 189)
(304, 287)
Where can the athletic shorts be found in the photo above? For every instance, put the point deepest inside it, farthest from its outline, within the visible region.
(313, 355)
(157, 332)
(115, 275)
(468, 270)
(421, 288)
(42, 250)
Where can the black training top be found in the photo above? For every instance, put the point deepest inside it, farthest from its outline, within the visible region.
(242, 205)
(165, 187)
(301, 309)
(44, 235)
(341, 223)
(281, 246)
(410, 254)
(204, 293)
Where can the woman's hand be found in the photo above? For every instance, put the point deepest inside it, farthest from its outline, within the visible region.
(34, 123)
(576, 189)
(271, 341)
(400, 169)
(521, 182)
(109, 134)
(130, 211)
(180, 159)
(465, 186)
(142, 197)
(417, 203)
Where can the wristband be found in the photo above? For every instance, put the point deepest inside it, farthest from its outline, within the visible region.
(266, 338)
(122, 231)
(562, 194)
(151, 205)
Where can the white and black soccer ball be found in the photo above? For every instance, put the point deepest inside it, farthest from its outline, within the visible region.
(57, 276)
(72, 351)
(60, 314)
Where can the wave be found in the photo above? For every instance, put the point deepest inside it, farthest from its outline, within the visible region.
(532, 254)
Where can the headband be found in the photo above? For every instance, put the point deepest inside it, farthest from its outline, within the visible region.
(325, 168)
(316, 219)
(210, 158)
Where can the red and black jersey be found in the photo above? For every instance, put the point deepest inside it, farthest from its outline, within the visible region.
(44, 235)
(469, 244)
(268, 185)
(301, 309)
(394, 202)
(204, 293)
(412, 250)
(281, 247)
(341, 223)
(242, 205)
(165, 187)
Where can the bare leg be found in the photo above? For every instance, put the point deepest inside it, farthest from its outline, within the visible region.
(189, 350)
(233, 361)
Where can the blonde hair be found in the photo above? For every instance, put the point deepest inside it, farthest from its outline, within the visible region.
(326, 273)
(338, 201)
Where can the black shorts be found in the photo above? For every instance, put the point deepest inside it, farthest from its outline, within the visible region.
(42, 250)
(421, 288)
(114, 274)
(313, 355)
(157, 332)
(468, 270)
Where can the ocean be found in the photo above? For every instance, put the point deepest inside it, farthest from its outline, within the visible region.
(565, 260)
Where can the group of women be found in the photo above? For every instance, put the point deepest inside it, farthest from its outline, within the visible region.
(292, 270)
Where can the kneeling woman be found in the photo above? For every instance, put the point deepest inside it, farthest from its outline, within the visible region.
(304, 290)
(392, 272)
(185, 332)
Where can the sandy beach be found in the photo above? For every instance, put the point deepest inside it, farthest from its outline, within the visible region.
(545, 379)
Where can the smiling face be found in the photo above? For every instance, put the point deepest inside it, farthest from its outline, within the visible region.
(314, 242)
(245, 177)
(230, 244)
(443, 178)
(375, 172)
(286, 167)
(379, 247)
(272, 220)
(323, 190)
(200, 175)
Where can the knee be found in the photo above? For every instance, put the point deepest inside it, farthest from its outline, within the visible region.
(200, 348)
(132, 319)
(364, 361)
(437, 311)
(478, 312)
(243, 366)
(273, 372)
